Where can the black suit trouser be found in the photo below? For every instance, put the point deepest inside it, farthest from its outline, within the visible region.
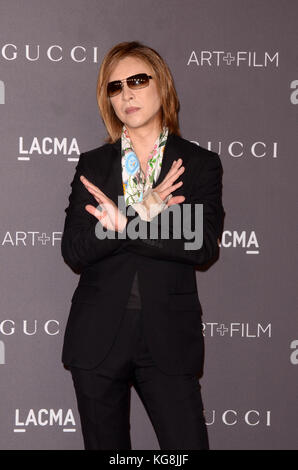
(173, 402)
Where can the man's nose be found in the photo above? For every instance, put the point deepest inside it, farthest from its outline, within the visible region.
(127, 92)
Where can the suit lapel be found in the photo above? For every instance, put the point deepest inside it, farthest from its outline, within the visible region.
(169, 156)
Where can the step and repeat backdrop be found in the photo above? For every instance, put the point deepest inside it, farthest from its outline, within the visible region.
(235, 66)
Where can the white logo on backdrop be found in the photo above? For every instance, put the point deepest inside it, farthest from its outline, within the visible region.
(234, 417)
(294, 94)
(244, 239)
(242, 330)
(19, 238)
(48, 146)
(230, 239)
(44, 418)
(29, 327)
(236, 59)
(2, 353)
(2, 92)
(54, 53)
(238, 149)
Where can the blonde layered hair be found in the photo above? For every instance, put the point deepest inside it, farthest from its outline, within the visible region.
(169, 100)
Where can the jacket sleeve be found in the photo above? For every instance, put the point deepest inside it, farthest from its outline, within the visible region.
(206, 190)
(80, 247)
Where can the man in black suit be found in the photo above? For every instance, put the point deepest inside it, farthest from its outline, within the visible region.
(144, 330)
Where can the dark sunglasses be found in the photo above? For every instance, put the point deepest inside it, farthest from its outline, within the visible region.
(135, 82)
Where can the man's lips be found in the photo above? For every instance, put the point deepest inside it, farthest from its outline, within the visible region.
(132, 109)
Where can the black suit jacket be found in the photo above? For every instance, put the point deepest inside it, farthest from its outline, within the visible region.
(167, 280)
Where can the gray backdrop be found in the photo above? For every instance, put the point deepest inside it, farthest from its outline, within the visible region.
(234, 63)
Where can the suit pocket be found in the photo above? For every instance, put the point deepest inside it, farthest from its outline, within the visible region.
(87, 294)
(184, 301)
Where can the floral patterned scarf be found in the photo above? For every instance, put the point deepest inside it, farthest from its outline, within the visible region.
(135, 183)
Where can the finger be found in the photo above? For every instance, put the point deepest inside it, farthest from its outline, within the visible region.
(163, 194)
(175, 186)
(98, 198)
(90, 185)
(168, 181)
(175, 200)
(175, 165)
(174, 173)
(94, 211)
(99, 195)
(177, 162)
(173, 168)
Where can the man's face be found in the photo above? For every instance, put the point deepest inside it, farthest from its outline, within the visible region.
(146, 99)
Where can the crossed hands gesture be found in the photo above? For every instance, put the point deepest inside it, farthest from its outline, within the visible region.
(112, 218)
